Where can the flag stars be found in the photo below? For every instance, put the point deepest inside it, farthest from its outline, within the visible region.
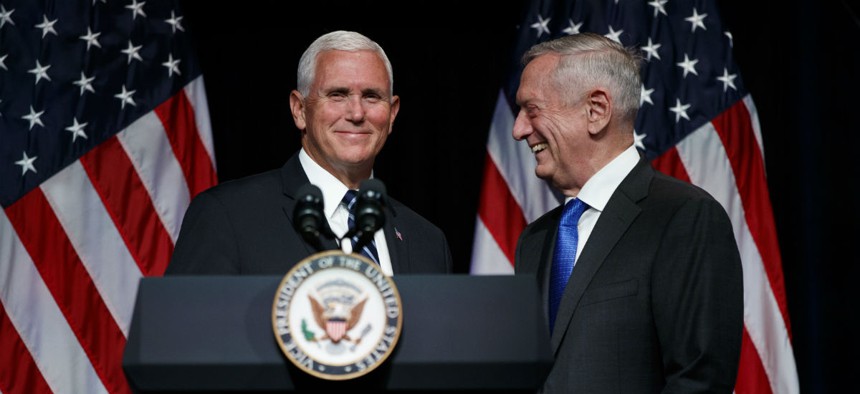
(688, 65)
(125, 97)
(680, 110)
(172, 66)
(3, 62)
(731, 39)
(697, 20)
(658, 6)
(728, 80)
(614, 35)
(35, 118)
(77, 130)
(645, 96)
(136, 9)
(91, 39)
(5, 16)
(175, 22)
(651, 50)
(541, 25)
(132, 52)
(572, 28)
(26, 164)
(40, 72)
(86, 84)
(47, 26)
(638, 140)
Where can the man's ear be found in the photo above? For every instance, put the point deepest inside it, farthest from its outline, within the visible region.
(395, 108)
(297, 108)
(599, 107)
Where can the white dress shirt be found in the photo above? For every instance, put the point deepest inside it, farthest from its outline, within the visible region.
(337, 214)
(598, 189)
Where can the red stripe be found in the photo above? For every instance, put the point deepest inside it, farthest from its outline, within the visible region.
(71, 286)
(670, 163)
(499, 211)
(129, 205)
(177, 116)
(735, 130)
(18, 371)
(752, 377)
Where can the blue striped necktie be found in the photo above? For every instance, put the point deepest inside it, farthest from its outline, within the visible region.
(368, 250)
(564, 255)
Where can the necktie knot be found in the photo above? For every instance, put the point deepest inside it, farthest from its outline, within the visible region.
(572, 212)
(564, 254)
(349, 200)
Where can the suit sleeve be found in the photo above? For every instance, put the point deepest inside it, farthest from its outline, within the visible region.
(698, 300)
(206, 244)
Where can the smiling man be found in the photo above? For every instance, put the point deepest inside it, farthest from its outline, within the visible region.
(640, 273)
(345, 108)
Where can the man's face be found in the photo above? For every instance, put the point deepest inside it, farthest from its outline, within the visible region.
(348, 112)
(556, 131)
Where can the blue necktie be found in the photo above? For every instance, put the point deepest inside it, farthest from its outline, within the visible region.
(368, 250)
(564, 254)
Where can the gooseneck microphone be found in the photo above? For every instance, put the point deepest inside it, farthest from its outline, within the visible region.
(369, 216)
(308, 217)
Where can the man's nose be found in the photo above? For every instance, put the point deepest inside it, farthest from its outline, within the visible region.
(355, 109)
(522, 127)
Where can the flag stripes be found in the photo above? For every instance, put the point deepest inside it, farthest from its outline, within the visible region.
(499, 200)
(177, 115)
(129, 205)
(26, 374)
(46, 243)
(80, 212)
(73, 250)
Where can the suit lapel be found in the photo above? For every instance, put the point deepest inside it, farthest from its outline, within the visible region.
(292, 178)
(397, 242)
(619, 213)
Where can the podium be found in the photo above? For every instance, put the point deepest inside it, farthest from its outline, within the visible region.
(460, 332)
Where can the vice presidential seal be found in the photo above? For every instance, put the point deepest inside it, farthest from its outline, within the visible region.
(336, 315)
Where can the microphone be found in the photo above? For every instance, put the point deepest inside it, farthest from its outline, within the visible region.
(308, 217)
(369, 216)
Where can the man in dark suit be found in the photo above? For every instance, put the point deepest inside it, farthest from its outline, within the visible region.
(345, 108)
(654, 301)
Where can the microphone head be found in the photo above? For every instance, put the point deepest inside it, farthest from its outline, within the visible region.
(369, 215)
(308, 214)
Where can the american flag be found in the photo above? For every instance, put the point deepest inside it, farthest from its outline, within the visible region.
(697, 122)
(104, 139)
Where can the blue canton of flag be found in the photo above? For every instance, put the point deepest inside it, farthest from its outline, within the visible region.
(73, 74)
(697, 122)
(104, 139)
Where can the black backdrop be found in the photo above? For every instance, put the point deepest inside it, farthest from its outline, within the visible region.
(799, 59)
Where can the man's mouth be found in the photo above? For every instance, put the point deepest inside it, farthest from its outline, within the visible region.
(539, 147)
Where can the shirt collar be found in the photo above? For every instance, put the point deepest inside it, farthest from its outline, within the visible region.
(332, 188)
(600, 187)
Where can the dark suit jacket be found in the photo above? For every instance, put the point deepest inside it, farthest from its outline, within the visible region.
(245, 227)
(655, 301)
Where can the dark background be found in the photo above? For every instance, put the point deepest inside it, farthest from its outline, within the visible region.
(799, 59)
